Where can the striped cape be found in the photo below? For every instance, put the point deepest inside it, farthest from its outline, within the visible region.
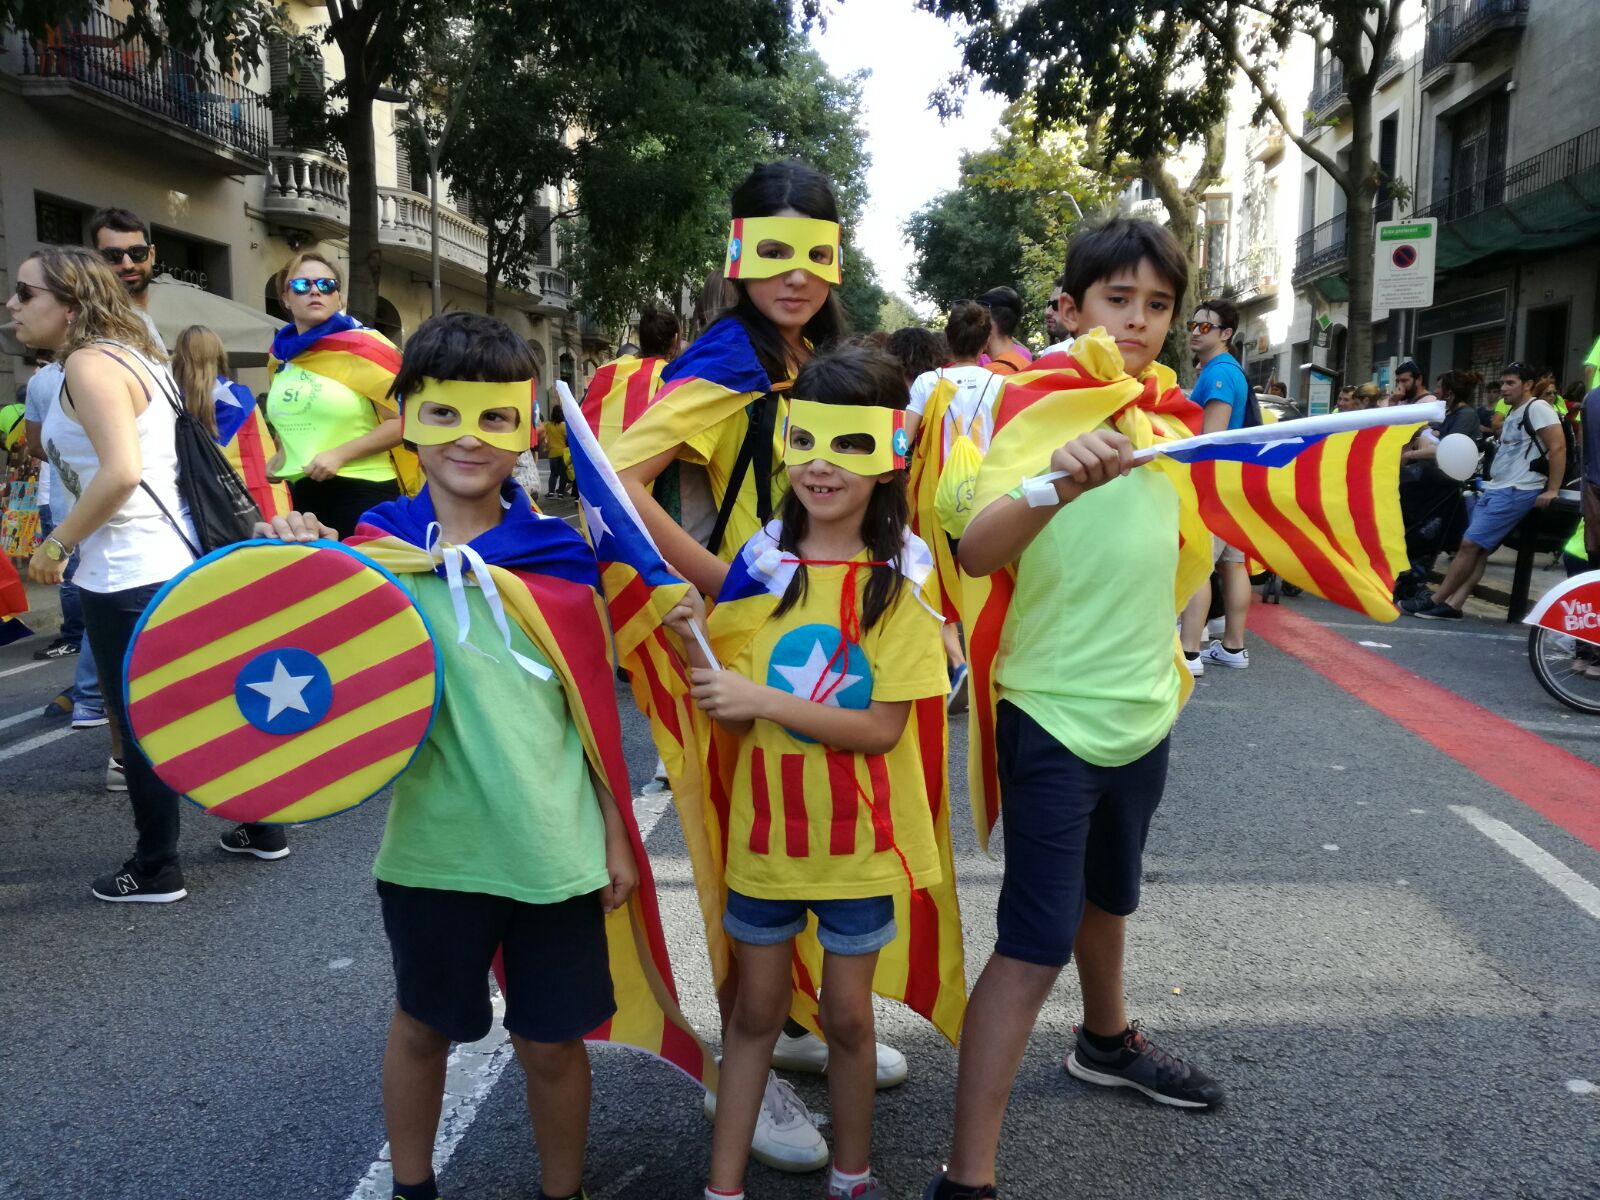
(561, 612)
(618, 395)
(363, 360)
(246, 443)
(923, 967)
(1060, 397)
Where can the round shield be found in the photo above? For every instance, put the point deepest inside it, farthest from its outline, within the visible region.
(281, 683)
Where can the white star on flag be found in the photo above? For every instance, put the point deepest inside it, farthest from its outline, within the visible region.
(598, 529)
(283, 690)
(815, 677)
(1268, 447)
(226, 396)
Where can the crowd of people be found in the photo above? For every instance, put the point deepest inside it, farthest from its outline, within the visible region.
(849, 489)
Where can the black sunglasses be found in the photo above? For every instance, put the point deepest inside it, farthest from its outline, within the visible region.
(113, 254)
(325, 285)
(27, 291)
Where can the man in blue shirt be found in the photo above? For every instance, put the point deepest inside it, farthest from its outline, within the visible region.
(1224, 393)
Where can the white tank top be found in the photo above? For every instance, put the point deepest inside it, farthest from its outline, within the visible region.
(137, 546)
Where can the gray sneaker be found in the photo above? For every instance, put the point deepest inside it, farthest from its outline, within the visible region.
(867, 1189)
(1142, 1065)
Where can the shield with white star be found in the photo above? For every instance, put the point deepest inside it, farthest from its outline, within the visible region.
(281, 683)
(815, 662)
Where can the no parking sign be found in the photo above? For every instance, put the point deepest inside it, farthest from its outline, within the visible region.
(1402, 273)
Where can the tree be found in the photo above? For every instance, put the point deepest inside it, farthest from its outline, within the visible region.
(1152, 75)
(896, 313)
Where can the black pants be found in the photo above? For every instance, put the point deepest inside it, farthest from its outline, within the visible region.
(109, 618)
(340, 502)
(558, 473)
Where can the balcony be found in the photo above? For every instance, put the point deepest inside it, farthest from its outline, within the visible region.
(405, 235)
(552, 292)
(1393, 64)
(1320, 252)
(1264, 142)
(1255, 275)
(1463, 32)
(591, 331)
(1328, 97)
(1545, 202)
(307, 191)
(99, 79)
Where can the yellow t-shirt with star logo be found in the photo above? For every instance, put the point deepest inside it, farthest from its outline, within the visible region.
(811, 823)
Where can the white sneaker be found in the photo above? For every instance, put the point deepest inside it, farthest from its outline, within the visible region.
(809, 1054)
(786, 1139)
(1223, 657)
(1197, 666)
(1216, 626)
(116, 776)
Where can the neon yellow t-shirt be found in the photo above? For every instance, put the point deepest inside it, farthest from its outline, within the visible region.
(811, 823)
(717, 450)
(1088, 642)
(311, 413)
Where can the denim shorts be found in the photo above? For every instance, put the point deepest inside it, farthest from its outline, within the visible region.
(1496, 514)
(843, 926)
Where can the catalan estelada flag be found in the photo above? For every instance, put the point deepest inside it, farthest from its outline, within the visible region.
(366, 362)
(246, 443)
(13, 596)
(618, 395)
(547, 579)
(1060, 397)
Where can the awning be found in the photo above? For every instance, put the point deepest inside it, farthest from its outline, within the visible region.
(246, 332)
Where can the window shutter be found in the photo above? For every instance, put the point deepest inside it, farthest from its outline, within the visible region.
(544, 231)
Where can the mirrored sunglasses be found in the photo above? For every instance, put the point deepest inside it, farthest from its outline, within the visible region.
(302, 287)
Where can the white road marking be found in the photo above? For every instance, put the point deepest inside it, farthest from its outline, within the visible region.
(33, 743)
(472, 1070)
(1330, 845)
(1540, 861)
(20, 717)
(1376, 645)
(1582, 1087)
(33, 666)
(1426, 630)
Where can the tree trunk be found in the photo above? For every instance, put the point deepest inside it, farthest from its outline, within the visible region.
(491, 271)
(1357, 365)
(360, 148)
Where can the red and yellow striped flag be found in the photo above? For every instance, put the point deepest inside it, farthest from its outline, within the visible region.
(618, 395)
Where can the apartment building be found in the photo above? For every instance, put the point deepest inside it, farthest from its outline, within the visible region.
(87, 120)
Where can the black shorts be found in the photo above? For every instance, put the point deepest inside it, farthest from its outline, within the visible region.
(340, 502)
(558, 971)
(1073, 831)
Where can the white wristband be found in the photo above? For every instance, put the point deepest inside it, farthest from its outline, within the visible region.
(1040, 491)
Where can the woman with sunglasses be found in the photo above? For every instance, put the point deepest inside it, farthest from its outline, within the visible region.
(329, 402)
(110, 435)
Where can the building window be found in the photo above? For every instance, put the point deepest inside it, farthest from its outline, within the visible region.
(1470, 162)
(1388, 159)
(191, 260)
(1214, 243)
(60, 222)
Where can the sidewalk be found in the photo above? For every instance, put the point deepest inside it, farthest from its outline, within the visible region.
(1494, 589)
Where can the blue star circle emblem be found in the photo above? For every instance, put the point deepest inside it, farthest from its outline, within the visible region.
(902, 443)
(808, 663)
(283, 691)
(735, 248)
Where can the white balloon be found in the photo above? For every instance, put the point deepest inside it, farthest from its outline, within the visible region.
(1457, 456)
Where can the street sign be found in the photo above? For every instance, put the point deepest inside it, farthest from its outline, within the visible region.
(1402, 270)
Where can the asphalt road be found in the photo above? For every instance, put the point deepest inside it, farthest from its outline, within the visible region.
(1398, 1006)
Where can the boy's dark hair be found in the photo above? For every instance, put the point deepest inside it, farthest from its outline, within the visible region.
(119, 219)
(768, 190)
(462, 345)
(1226, 311)
(863, 376)
(1005, 308)
(1118, 245)
(657, 327)
(967, 330)
(917, 350)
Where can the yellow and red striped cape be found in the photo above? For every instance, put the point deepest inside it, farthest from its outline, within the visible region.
(248, 453)
(366, 362)
(618, 395)
(1060, 397)
(566, 621)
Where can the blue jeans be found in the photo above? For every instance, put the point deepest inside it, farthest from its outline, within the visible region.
(862, 926)
(85, 680)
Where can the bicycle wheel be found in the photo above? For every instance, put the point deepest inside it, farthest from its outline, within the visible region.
(1560, 671)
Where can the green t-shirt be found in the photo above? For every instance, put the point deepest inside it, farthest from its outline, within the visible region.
(1088, 642)
(311, 413)
(499, 799)
(1594, 361)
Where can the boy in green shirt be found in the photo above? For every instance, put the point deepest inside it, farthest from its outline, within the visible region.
(500, 836)
(1089, 689)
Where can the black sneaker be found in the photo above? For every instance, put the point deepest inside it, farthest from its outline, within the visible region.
(1438, 612)
(263, 841)
(1415, 604)
(132, 885)
(940, 1188)
(60, 648)
(1144, 1066)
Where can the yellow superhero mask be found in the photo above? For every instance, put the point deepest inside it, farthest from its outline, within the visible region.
(471, 405)
(761, 247)
(816, 430)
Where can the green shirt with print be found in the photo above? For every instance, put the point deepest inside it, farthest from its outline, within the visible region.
(499, 799)
(311, 413)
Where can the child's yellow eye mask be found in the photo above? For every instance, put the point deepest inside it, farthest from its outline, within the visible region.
(470, 407)
(761, 247)
(837, 434)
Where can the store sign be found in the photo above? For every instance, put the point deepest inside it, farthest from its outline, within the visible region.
(1474, 312)
(1402, 271)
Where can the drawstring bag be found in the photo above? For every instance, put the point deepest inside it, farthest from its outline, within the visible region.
(958, 477)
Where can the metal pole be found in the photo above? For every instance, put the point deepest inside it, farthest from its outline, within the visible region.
(433, 248)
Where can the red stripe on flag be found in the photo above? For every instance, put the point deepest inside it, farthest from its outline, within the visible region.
(276, 794)
(664, 703)
(1308, 489)
(882, 814)
(931, 718)
(761, 803)
(721, 802)
(636, 397)
(228, 614)
(796, 826)
(194, 692)
(1325, 573)
(680, 1049)
(1363, 509)
(253, 465)
(985, 639)
(630, 598)
(362, 344)
(220, 755)
(842, 787)
(594, 400)
(922, 974)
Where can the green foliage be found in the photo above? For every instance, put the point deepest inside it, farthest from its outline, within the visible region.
(896, 313)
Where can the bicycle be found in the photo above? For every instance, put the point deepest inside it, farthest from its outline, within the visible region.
(1564, 642)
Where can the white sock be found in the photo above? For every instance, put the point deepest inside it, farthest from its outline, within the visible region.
(845, 1182)
(711, 1195)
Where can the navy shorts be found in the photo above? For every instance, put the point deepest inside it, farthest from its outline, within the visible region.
(843, 926)
(1074, 831)
(558, 970)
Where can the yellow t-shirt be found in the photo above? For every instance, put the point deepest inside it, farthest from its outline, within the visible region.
(801, 827)
(311, 413)
(717, 450)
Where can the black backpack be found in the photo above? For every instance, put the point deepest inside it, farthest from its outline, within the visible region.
(1540, 462)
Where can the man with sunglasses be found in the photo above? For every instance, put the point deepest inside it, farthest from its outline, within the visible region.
(123, 240)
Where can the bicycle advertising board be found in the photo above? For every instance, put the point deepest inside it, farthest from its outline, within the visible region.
(1573, 608)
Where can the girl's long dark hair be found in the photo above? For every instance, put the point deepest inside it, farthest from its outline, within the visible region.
(854, 375)
(767, 191)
